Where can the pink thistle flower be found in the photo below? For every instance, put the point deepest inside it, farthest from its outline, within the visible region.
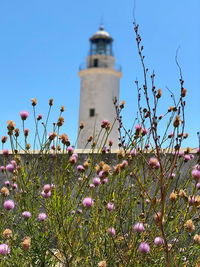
(110, 206)
(158, 241)
(24, 115)
(138, 127)
(39, 117)
(133, 152)
(80, 168)
(145, 131)
(42, 217)
(53, 186)
(26, 214)
(9, 204)
(96, 181)
(144, 247)
(110, 142)
(88, 202)
(26, 132)
(191, 156)
(47, 188)
(196, 174)
(4, 249)
(92, 185)
(124, 164)
(5, 152)
(111, 231)
(70, 149)
(10, 168)
(7, 183)
(75, 155)
(139, 227)
(105, 181)
(80, 179)
(104, 123)
(2, 168)
(101, 174)
(13, 162)
(46, 195)
(187, 158)
(15, 186)
(153, 162)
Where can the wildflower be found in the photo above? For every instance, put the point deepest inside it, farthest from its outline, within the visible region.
(80, 168)
(144, 247)
(5, 152)
(50, 102)
(24, 115)
(14, 186)
(28, 146)
(110, 206)
(96, 181)
(187, 158)
(171, 134)
(7, 183)
(42, 217)
(4, 139)
(80, 179)
(189, 226)
(60, 121)
(47, 188)
(9, 204)
(182, 193)
(191, 200)
(133, 152)
(26, 131)
(104, 123)
(198, 185)
(52, 135)
(159, 93)
(177, 121)
(82, 125)
(7, 233)
(105, 180)
(88, 202)
(138, 128)
(196, 174)
(34, 101)
(157, 217)
(159, 241)
(5, 191)
(70, 149)
(46, 195)
(4, 249)
(154, 163)
(185, 135)
(102, 264)
(11, 126)
(173, 197)
(10, 168)
(124, 164)
(39, 117)
(111, 231)
(197, 239)
(139, 227)
(64, 139)
(26, 243)
(72, 159)
(26, 214)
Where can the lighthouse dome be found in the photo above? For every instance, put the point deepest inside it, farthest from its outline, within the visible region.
(101, 34)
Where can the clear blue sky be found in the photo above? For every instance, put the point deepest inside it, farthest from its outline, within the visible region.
(43, 42)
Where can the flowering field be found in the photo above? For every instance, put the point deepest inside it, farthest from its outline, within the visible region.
(143, 209)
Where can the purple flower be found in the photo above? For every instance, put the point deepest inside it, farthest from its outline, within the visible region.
(80, 179)
(14, 186)
(5, 152)
(191, 200)
(13, 162)
(196, 174)
(110, 206)
(47, 188)
(138, 127)
(111, 231)
(75, 155)
(144, 247)
(92, 185)
(80, 168)
(42, 217)
(7, 183)
(9, 204)
(2, 168)
(104, 123)
(105, 180)
(187, 158)
(4, 249)
(101, 174)
(24, 115)
(159, 241)
(26, 214)
(198, 185)
(39, 117)
(88, 202)
(10, 168)
(70, 149)
(46, 195)
(144, 131)
(96, 181)
(139, 227)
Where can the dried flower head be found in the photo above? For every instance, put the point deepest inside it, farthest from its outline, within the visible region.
(177, 121)
(122, 104)
(5, 191)
(60, 121)
(154, 163)
(159, 93)
(62, 109)
(26, 243)
(16, 132)
(197, 239)
(82, 125)
(64, 139)
(51, 102)
(34, 101)
(183, 92)
(102, 264)
(4, 139)
(28, 146)
(11, 126)
(189, 226)
(182, 193)
(7, 233)
(173, 196)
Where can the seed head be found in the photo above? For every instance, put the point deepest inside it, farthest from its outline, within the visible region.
(189, 226)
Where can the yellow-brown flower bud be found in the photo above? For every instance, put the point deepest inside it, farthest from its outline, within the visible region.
(197, 239)
(5, 191)
(189, 226)
(7, 233)
(102, 264)
(173, 197)
(177, 121)
(51, 102)
(26, 243)
(159, 93)
(34, 101)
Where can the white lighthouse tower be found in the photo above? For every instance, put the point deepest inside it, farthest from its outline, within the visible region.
(100, 79)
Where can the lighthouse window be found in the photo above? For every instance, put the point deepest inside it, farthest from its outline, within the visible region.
(95, 62)
(92, 112)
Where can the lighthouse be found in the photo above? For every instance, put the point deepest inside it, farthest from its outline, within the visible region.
(100, 86)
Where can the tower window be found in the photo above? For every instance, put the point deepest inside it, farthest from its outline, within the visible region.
(95, 62)
(92, 112)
